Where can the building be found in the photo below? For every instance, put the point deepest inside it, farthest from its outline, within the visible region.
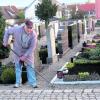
(10, 13)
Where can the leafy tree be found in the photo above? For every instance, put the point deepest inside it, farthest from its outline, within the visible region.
(2, 26)
(45, 11)
(3, 51)
(77, 14)
(63, 18)
(21, 15)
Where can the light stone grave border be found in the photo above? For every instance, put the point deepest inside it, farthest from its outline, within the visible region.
(56, 80)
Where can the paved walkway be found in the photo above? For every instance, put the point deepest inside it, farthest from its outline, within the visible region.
(46, 92)
(67, 94)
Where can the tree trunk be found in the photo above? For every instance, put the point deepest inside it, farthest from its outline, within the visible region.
(48, 40)
(51, 48)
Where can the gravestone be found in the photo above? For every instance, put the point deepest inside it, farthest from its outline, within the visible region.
(62, 38)
(37, 61)
(72, 35)
(52, 57)
(79, 30)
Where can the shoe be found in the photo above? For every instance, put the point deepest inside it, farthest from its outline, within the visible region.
(35, 86)
(17, 86)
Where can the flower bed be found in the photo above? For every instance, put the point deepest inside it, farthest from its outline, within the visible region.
(88, 61)
(83, 71)
(92, 76)
(84, 68)
(81, 77)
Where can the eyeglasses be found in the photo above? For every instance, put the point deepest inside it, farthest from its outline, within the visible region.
(29, 27)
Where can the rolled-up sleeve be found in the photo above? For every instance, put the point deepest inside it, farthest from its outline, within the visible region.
(32, 47)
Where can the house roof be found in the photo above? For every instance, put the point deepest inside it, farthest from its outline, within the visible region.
(83, 7)
(87, 6)
(9, 12)
(71, 6)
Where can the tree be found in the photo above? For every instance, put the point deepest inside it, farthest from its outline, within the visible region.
(3, 51)
(45, 11)
(2, 26)
(77, 14)
(21, 15)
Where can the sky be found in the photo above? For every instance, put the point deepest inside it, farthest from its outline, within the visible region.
(24, 3)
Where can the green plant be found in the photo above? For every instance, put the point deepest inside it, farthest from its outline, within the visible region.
(83, 55)
(46, 10)
(86, 61)
(81, 61)
(94, 53)
(97, 34)
(87, 49)
(98, 45)
(63, 18)
(93, 41)
(21, 15)
(8, 75)
(97, 23)
(70, 65)
(3, 51)
(83, 75)
(70, 78)
(92, 76)
(90, 54)
(77, 14)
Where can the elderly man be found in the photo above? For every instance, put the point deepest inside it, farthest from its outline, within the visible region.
(25, 40)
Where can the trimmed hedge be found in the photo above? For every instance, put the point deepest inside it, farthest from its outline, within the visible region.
(8, 76)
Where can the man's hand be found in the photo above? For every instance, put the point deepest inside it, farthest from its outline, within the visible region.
(22, 58)
(5, 45)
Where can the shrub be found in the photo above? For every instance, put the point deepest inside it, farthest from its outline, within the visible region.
(83, 75)
(4, 52)
(70, 78)
(90, 54)
(86, 61)
(83, 55)
(87, 49)
(81, 61)
(93, 41)
(98, 45)
(94, 53)
(8, 75)
(97, 23)
(70, 65)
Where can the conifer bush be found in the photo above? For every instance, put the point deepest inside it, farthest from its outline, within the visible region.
(8, 76)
